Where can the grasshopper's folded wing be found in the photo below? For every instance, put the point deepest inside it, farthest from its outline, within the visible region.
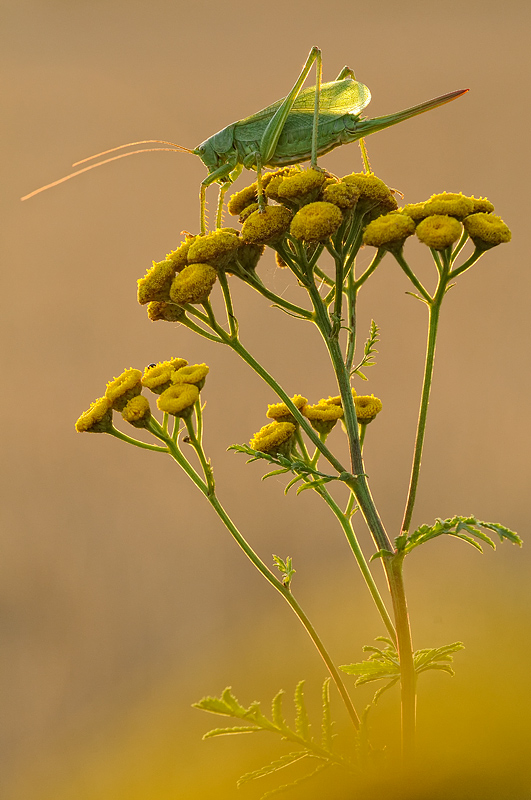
(337, 99)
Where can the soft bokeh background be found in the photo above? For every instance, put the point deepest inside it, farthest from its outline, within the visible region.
(122, 599)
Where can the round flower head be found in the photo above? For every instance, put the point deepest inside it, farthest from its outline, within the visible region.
(389, 231)
(193, 284)
(439, 231)
(215, 248)
(179, 257)
(367, 407)
(271, 181)
(372, 190)
(415, 211)
(482, 204)
(98, 418)
(266, 227)
(343, 195)
(323, 416)
(120, 390)
(303, 187)
(274, 438)
(455, 205)
(241, 200)
(170, 312)
(179, 399)
(487, 230)
(335, 401)
(247, 211)
(194, 374)
(316, 222)
(158, 378)
(281, 413)
(137, 412)
(155, 285)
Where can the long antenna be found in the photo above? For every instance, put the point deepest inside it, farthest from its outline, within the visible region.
(132, 144)
(173, 149)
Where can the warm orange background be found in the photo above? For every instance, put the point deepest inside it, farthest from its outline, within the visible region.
(122, 599)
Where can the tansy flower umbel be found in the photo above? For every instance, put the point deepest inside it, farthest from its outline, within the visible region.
(266, 227)
(179, 399)
(323, 416)
(193, 284)
(155, 285)
(169, 312)
(451, 203)
(389, 231)
(487, 230)
(243, 199)
(194, 374)
(372, 191)
(98, 418)
(137, 412)
(281, 413)
(439, 231)
(343, 195)
(367, 407)
(316, 222)
(120, 390)
(215, 248)
(274, 438)
(158, 378)
(272, 181)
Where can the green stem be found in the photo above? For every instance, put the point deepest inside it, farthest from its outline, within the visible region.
(412, 277)
(434, 312)
(348, 530)
(257, 284)
(231, 319)
(119, 435)
(468, 263)
(408, 677)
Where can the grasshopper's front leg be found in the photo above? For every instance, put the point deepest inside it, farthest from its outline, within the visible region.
(272, 133)
(220, 172)
(223, 191)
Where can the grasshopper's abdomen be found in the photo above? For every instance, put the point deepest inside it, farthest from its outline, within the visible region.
(295, 142)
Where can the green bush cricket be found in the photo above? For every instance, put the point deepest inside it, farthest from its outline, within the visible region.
(305, 124)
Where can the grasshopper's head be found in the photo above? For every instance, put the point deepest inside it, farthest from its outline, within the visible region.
(218, 149)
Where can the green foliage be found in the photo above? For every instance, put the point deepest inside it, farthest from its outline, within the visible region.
(369, 349)
(453, 526)
(299, 468)
(319, 751)
(384, 664)
(286, 568)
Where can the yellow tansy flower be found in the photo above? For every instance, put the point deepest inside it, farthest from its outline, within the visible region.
(193, 284)
(323, 416)
(98, 418)
(137, 412)
(281, 413)
(169, 312)
(482, 204)
(439, 231)
(241, 200)
(274, 438)
(487, 230)
(194, 374)
(303, 187)
(372, 191)
(451, 203)
(158, 378)
(179, 257)
(389, 231)
(215, 248)
(267, 226)
(415, 211)
(367, 407)
(316, 222)
(120, 390)
(179, 399)
(155, 285)
(343, 195)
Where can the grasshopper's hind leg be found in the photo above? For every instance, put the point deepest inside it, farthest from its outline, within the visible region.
(271, 135)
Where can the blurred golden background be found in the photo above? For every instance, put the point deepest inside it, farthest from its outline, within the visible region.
(122, 598)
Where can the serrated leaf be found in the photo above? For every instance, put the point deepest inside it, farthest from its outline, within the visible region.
(302, 722)
(292, 482)
(274, 766)
(467, 539)
(381, 554)
(235, 729)
(274, 472)
(276, 710)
